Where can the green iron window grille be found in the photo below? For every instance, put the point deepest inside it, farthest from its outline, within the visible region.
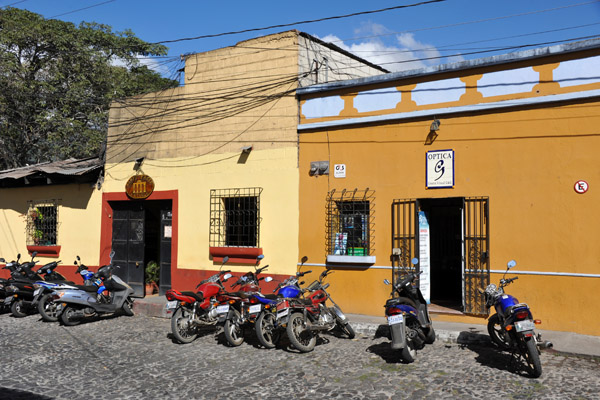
(350, 222)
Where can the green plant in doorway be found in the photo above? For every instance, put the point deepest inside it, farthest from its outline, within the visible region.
(152, 277)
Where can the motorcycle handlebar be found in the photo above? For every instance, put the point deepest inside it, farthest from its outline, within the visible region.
(261, 269)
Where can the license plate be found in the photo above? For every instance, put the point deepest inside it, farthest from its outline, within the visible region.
(171, 305)
(395, 319)
(223, 309)
(526, 325)
(8, 300)
(37, 291)
(283, 313)
(256, 308)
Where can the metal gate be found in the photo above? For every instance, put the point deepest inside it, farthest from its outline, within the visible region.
(128, 244)
(166, 229)
(476, 267)
(405, 241)
(477, 255)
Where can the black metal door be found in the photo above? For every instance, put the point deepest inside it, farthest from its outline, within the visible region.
(166, 229)
(477, 259)
(128, 244)
(405, 240)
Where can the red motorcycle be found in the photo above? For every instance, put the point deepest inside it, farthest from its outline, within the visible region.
(192, 310)
(305, 317)
(241, 308)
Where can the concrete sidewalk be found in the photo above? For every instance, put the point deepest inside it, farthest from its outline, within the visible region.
(452, 332)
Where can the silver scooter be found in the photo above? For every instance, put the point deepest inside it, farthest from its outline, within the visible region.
(73, 306)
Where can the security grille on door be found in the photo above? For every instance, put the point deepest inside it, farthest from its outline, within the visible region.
(235, 217)
(350, 222)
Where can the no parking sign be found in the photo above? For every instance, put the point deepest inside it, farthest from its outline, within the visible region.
(581, 187)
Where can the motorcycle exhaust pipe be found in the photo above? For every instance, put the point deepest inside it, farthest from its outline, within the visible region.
(546, 344)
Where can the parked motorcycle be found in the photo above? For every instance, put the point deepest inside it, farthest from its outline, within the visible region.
(192, 310)
(512, 326)
(304, 317)
(44, 299)
(4, 283)
(408, 317)
(236, 310)
(19, 290)
(75, 305)
(268, 331)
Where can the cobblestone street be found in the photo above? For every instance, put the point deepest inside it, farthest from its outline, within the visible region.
(134, 358)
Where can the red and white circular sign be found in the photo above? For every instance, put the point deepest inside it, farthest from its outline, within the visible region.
(581, 187)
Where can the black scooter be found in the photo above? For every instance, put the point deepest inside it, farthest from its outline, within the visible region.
(408, 317)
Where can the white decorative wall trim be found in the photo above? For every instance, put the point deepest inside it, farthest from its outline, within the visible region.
(511, 81)
(378, 99)
(323, 107)
(436, 92)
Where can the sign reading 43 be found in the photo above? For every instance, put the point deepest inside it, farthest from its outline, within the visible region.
(439, 166)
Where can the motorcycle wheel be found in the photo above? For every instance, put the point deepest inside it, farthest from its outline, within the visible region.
(234, 332)
(347, 329)
(127, 307)
(266, 332)
(301, 338)
(408, 352)
(47, 308)
(532, 358)
(18, 309)
(497, 334)
(67, 317)
(181, 326)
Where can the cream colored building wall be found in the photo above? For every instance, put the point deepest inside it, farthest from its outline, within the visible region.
(78, 221)
(233, 97)
(275, 171)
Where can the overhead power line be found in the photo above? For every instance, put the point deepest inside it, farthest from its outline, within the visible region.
(81, 9)
(302, 22)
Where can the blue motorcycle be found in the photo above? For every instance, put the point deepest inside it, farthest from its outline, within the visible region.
(512, 327)
(267, 329)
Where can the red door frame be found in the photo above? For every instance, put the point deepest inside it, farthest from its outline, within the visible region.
(106, 223)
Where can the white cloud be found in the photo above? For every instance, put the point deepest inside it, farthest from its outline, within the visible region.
(404, 53)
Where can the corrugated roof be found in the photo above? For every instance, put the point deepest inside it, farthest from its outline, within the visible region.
(66, 170)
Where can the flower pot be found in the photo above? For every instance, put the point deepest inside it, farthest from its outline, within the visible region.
(151, 288)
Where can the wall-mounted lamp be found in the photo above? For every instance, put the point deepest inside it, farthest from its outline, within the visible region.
(138, 163)
(319, 168)
(435, 125)
(247, 149)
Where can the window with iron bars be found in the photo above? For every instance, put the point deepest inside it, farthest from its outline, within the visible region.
(42, 223)
(235, 217)
(350, 222)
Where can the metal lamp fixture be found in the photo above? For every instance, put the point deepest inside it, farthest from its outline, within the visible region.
(435, 125)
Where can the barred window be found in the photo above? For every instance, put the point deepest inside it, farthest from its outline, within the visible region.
(42, 223)
(350, 217)
(235, 217)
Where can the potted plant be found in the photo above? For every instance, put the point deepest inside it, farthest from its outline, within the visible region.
(152, 276)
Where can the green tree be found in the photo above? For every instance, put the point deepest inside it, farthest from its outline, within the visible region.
(57, 81)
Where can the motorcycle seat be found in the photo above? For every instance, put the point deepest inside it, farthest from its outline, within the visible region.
(87, 288)
(306, 302)
(194, 295)
(270, 296)
(243, 295)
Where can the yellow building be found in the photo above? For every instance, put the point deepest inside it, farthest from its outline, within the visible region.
(464, 166)
(221, 156)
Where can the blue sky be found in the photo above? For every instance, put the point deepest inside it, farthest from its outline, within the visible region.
(407, 38)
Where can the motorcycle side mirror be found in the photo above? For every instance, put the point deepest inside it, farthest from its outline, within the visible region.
(78, 259)
(260, 257)
(225, 259)
(304, 259)
(268, 279)
(414, 261)
(226, 276)
(33, 254)
(511, 264)
(386, 281)
(18, 256)
(2, 260)
(112, 254)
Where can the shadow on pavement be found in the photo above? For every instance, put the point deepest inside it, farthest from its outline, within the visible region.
(14, 394)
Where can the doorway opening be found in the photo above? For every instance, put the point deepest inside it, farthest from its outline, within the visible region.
(141, 233)
(445, 218)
